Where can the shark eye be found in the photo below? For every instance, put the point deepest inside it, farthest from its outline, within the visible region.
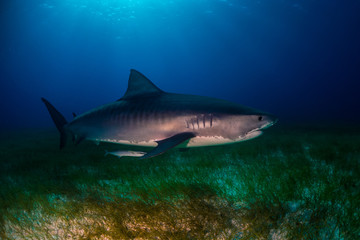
(260, 118)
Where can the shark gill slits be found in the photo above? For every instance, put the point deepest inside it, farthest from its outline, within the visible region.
(200, 121)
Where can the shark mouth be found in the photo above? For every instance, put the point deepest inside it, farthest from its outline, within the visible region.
(267, 125)
(253, 131)
(252, 134)
(257, 131)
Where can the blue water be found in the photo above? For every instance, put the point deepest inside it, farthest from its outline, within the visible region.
(299, 60)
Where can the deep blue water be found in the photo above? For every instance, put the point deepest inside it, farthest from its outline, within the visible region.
(299, 60)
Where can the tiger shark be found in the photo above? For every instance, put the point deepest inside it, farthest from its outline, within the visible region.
(149, 116)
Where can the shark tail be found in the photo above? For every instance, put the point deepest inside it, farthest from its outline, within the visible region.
(59, 121)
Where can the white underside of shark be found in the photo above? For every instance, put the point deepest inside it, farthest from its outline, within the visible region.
(194, 142)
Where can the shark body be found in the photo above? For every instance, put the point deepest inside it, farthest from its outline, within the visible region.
(148, 116)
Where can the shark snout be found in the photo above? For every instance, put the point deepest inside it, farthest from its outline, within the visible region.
(268, 120)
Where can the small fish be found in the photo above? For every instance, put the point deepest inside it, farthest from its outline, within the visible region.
(125, 153)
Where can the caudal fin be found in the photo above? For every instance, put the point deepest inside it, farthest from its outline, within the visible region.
(59, 121)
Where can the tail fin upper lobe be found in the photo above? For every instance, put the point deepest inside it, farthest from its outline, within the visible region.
(59, 121)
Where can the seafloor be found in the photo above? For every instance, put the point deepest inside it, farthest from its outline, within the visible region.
(290, 183)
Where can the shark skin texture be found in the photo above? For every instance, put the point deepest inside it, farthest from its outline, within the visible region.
(149, 116)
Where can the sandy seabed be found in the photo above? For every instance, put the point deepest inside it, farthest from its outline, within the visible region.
(290, 183)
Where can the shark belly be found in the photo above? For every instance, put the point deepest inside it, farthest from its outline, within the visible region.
(131, 129)
(202, 141)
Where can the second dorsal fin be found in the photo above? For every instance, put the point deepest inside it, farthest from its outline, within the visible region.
(140, 86)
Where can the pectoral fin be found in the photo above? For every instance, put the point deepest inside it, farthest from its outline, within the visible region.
(168, 143)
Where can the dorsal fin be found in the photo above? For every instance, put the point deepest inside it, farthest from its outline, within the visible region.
(140, 86)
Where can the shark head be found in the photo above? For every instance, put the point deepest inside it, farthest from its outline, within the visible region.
(251, 126)
(242, 123)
